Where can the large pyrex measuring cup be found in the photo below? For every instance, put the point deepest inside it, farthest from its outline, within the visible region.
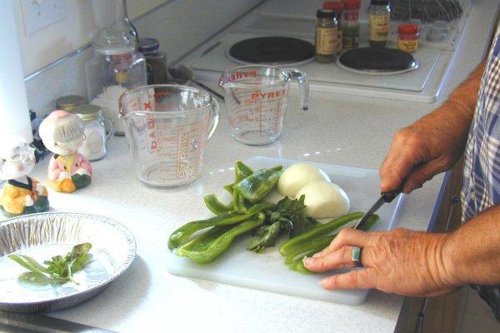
(167, 127)
(256, 101)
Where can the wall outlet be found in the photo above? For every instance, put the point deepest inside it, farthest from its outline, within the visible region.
(39, 14)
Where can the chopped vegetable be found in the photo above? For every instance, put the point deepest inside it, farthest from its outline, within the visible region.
(209, 246)
(298, 175)
(256, 186)
(59, 269)
(295, 255)
(181, 235)
(317, 231)
(324, 200)
(288, 215)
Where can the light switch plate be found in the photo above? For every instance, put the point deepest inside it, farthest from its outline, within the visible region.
(39, 14)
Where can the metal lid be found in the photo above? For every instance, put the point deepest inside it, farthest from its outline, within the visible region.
(148, 46)
(88, 111)
(68, 103)
(325, 13)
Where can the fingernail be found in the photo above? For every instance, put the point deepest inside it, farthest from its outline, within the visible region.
(307, 260)
(317, 255)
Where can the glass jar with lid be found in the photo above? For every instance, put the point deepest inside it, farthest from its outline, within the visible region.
(379, 20)
(97, 129)
(326, 35)
(116, 66)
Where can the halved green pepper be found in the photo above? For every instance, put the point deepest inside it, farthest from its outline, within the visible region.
(256, 186)
(181, 235)
(318, 231)
(213, 243)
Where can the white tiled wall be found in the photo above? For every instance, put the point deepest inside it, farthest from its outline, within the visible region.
(179, 25)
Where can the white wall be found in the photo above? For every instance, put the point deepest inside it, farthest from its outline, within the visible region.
(83, 18)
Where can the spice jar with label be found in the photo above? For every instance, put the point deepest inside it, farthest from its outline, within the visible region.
(379, 19)
(326, 35)
(350, 24)
(156, 61)
(337, 7)
(97, 129)
(408, 35)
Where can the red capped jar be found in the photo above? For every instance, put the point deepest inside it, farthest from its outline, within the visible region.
(408, 35)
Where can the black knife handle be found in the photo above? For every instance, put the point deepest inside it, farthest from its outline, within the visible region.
(390, 195)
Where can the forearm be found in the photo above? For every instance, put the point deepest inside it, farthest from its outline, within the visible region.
(471, 254)
(455, 115)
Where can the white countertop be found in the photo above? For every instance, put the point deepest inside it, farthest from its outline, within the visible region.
(336, 129)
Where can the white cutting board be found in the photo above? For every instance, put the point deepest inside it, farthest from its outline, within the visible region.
(267, 271)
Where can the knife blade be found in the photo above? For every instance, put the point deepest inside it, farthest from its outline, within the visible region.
(385, 197)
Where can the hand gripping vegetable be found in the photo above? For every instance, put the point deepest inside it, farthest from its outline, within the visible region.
(213, 243)
(296, 254)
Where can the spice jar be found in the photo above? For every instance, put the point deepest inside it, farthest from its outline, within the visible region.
(350, 24)
(68, 103)
(326, 35)
(379, 19)
(408, 35)
(337, 7)
(97, 129)
(156, 61)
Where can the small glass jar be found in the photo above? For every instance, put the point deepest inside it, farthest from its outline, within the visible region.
(408, 35)
(326, 35)
(156, 61)
(350, 24)
(379, 21)
(337, 7)
(98, 130)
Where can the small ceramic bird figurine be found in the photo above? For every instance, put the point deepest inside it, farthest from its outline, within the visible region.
(62, 133)
(21, 194)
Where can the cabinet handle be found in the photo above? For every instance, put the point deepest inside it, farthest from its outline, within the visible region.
(453, 204)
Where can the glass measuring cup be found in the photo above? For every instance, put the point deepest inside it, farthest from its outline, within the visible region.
(256, 101)
(167, 127)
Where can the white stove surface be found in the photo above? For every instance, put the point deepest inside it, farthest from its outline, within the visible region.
(279, 18)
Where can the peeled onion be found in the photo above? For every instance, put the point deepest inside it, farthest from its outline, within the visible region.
(298, 175)
(324, 200)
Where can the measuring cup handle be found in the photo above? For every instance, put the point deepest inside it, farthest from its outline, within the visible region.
(303, 87)
(109, 127)
(215, 121)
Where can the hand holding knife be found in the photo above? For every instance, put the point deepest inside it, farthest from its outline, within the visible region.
(385, 197)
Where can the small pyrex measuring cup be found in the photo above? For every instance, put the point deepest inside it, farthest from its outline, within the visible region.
(256, 101)
(167, 127)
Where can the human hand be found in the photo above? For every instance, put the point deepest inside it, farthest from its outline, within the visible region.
(401, 261)
(417, 153)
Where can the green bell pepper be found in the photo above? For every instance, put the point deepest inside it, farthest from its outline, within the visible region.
(256, 186)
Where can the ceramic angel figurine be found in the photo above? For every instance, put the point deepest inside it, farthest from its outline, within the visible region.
(62, 133)
(21, 194)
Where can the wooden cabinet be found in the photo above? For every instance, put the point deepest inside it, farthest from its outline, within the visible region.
(438, 314)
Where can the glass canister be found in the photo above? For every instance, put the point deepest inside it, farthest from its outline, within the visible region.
(115, 67)
(98, 130)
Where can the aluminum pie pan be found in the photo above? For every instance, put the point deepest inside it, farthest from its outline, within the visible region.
(43, 235)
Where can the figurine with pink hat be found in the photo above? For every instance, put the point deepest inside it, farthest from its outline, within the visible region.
(63, 133)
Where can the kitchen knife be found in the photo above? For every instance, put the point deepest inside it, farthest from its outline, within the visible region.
(385, 197)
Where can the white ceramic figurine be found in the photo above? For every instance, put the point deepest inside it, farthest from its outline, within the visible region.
(63, 133)
(21, 194)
